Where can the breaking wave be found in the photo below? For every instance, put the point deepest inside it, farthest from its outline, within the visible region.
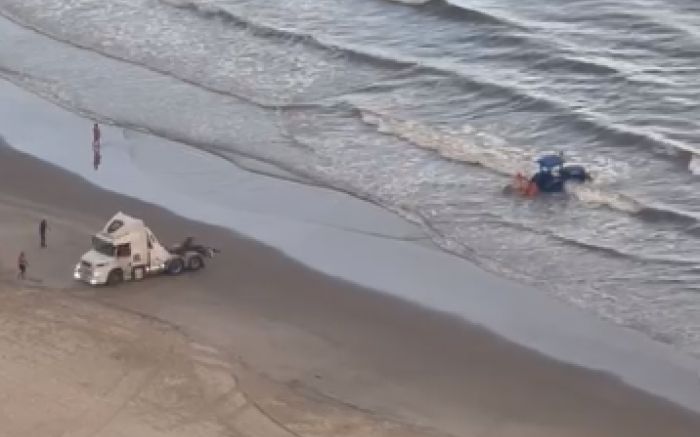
(520, 99)
(516, 98)
(455, 11)
(488, 151)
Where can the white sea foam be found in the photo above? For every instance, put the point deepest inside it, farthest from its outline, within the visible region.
(694, 164)
(470, 147)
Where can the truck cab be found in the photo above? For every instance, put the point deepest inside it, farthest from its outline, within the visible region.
(124, 249)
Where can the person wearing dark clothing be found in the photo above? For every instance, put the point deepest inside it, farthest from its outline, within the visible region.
(22, 265)
(96, 158)
(43, 226)
(96, 137)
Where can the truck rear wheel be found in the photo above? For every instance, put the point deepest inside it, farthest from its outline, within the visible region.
(176, 266)
(195, 263)
(115, 277)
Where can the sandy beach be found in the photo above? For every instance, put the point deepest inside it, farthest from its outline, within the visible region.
(78, 363)
(318, 355)
(74, 368)
(348, 160)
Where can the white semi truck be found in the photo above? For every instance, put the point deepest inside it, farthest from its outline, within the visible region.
(126, 249)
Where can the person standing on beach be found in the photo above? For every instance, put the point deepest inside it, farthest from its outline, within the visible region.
(22, 265)
(96, 136)
(43, 227)
(96, 159)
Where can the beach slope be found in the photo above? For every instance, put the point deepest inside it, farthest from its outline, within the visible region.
(319, 355)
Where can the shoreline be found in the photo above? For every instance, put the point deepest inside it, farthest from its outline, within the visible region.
(330, 339)
(352, 241)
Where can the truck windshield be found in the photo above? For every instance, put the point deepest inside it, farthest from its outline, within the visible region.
(102, 246)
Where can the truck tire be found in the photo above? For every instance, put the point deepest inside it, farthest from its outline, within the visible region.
(176, 266)
(138, 273)
(115, 277)
(195, 263)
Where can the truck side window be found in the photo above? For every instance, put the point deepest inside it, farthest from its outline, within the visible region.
(124, 250)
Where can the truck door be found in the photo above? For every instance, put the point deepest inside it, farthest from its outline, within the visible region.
(149, 241)
(124, 258)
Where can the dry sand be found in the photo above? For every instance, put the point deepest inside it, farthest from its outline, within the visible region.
(75, 368)
(290, 350)
(71, 367)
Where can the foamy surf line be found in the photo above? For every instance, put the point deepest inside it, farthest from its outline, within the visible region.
(343, 237)
(506, 161)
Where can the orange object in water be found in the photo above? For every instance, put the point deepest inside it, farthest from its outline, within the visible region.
(531, 190)
(524, 186)
(520, 184)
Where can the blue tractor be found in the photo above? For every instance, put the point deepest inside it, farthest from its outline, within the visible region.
(554, 173)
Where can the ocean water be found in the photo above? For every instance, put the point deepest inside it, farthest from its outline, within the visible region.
(426, 108)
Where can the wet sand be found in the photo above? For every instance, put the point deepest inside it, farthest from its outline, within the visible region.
(323, 342)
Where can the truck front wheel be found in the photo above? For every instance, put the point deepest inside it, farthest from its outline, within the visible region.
(176, 266)
(115, 277)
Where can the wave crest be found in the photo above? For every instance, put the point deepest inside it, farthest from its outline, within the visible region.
(491, 152)
(454, 10)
